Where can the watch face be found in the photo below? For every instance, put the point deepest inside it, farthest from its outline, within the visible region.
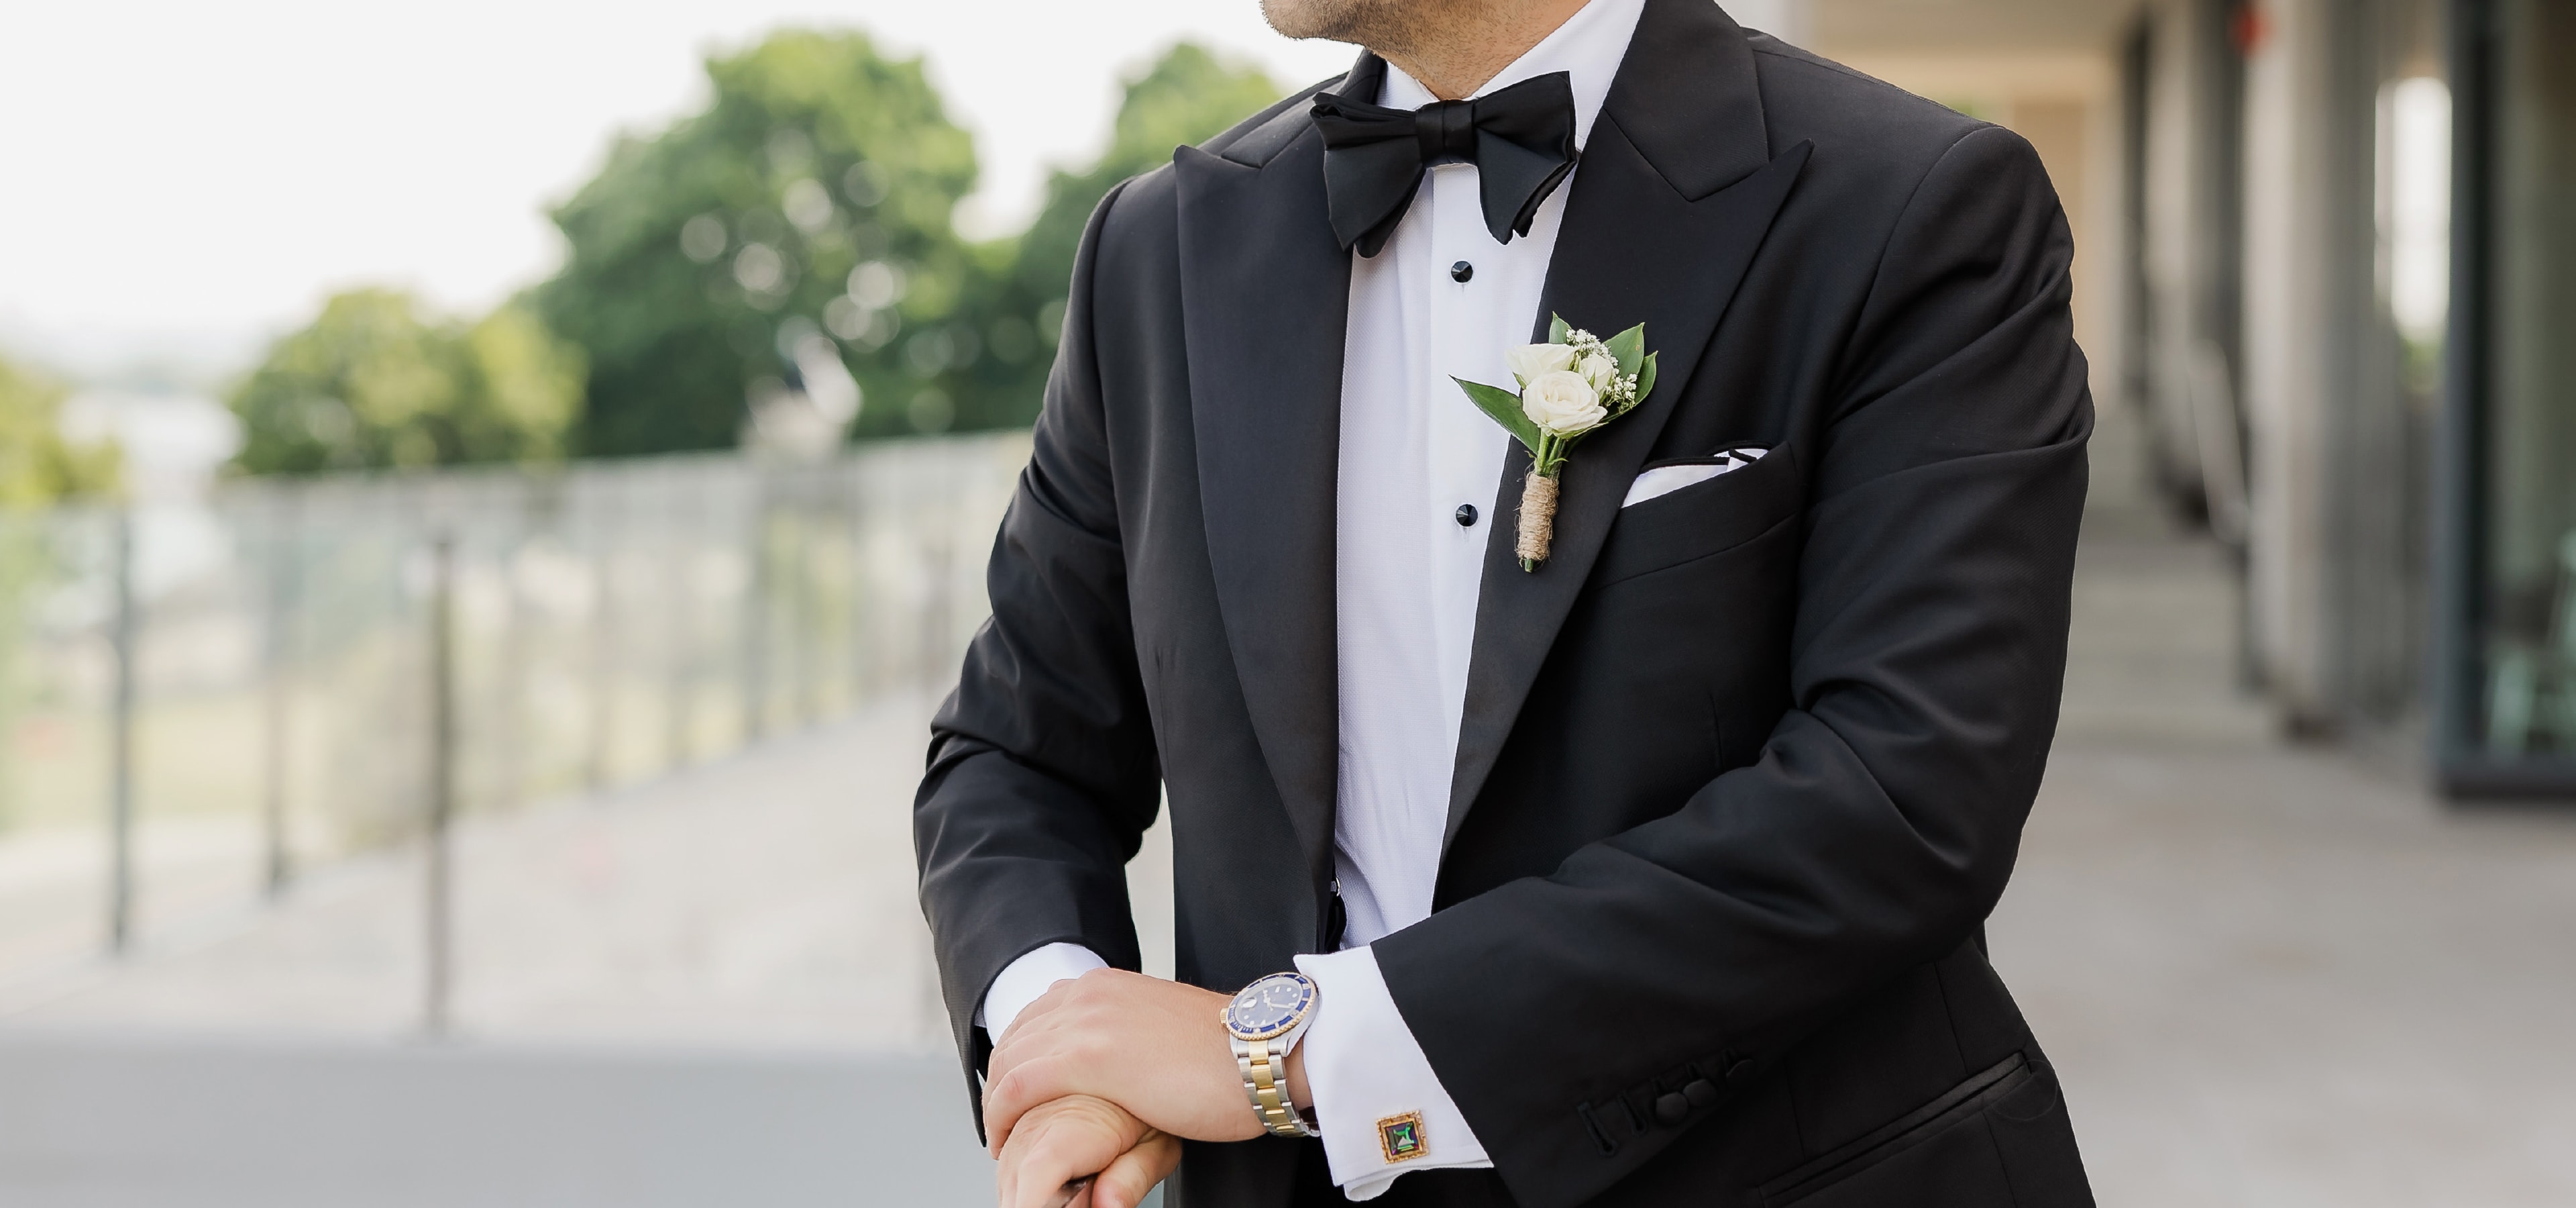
(1269, 1006)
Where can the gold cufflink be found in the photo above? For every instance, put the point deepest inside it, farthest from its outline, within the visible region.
(1400, 1137)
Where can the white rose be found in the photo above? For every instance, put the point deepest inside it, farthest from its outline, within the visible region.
(1600, 370)
(1530, 360)
(1561, 402)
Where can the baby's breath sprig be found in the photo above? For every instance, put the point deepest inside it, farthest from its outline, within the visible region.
(1622, 393)
(1618, 393)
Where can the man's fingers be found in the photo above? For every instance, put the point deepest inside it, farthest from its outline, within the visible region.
(1047, 1185)
(997, 1131)
(1059, 1145)
(1006, 1099)
(1128, 1180)
(1053, 1160)
(1006, 1177)
(1027, 1041)
(1013, 1093)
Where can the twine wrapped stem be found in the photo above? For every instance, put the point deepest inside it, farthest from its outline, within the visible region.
(1537, 521)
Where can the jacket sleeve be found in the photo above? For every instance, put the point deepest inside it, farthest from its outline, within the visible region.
(1042, 772)
(1877, 828)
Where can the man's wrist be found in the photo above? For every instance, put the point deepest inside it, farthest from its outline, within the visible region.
(1265, 1021)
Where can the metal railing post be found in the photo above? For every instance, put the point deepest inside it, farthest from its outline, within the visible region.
(438, 904)
(120, 802)
(519, 610)
(937, 624)
(285, 548)
(861, 583)
(679, 651)
(806, 642)
(755, 614)
(601, 650)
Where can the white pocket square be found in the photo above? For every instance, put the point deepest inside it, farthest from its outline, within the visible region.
(1664, 480)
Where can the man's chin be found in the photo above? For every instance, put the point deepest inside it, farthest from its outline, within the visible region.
(1331, 20)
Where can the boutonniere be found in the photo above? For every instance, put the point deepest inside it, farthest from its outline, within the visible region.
(1569, 388)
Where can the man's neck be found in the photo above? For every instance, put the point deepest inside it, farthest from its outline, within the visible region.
(1453, 48)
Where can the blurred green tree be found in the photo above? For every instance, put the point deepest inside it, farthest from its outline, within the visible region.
(37, 465)
(374, 382)
(1187, 96)
(812, 196)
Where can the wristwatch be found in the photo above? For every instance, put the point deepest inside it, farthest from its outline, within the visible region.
(1266, 1019)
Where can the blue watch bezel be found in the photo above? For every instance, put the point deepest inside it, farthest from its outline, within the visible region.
(1295, 1016)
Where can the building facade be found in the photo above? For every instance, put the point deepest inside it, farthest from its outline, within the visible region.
(2327, 279)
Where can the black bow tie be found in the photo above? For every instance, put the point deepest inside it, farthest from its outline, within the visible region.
(1521, 140)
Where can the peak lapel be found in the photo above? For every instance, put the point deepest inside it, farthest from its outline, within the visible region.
(1670, 202)
(1265, 293)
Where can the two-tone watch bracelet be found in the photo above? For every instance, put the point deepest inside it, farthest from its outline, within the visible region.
(1265, 1079)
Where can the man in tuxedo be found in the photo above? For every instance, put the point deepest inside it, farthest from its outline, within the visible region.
(1652, 873)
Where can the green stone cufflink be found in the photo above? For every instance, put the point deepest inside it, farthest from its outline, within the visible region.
(1400, 1137)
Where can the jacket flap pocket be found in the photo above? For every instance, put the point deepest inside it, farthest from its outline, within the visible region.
(1898, 1135)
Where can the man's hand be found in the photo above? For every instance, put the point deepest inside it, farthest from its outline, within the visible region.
(1079, 1137)
(1154, 1047)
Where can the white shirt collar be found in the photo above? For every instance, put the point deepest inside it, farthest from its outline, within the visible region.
(1588, 48)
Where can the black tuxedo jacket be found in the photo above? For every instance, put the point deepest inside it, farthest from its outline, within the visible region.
(1743, 768)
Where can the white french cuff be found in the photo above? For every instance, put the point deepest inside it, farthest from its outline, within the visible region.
(1022, 981)
(1375, 1092)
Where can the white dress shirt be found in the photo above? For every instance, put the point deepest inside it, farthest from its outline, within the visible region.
(1407, 576)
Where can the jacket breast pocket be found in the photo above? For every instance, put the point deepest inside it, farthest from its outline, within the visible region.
(1701, 519)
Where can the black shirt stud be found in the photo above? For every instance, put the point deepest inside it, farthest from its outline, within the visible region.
(1461, 271)
(1466, 515)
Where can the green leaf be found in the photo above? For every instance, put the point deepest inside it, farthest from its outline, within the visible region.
(1557, 329)
(1646, 378)
(1628, 348)
(1505, 408)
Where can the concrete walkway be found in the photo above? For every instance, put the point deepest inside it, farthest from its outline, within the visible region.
(2275, 976)
(2272, 976)
(223, 1122)
(713, 989)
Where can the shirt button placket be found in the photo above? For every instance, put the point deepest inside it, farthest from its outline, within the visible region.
(1447, 309)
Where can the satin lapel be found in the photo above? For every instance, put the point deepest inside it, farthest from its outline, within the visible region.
(1654, 233)
(1265, 291)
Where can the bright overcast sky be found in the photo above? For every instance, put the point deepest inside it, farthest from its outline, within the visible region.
(185, 177)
